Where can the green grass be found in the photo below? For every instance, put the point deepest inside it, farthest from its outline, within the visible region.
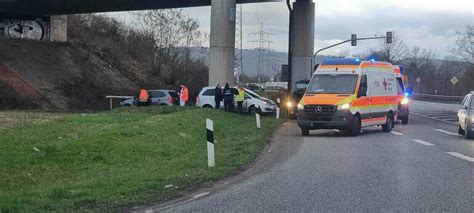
(114, 160)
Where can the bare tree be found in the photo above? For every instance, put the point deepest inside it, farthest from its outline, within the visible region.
(393, 52)
(421, 63)
(174, 35)
(465, 45)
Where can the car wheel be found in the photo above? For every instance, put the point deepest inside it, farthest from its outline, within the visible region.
(468, 133)
(460, 130)
(404, 120)
(207, 107)
(253, 110)
(355, 127)
(304, 131)
(389, 124)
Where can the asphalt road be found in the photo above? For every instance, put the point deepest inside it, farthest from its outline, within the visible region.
(438, 111)
(420, 167)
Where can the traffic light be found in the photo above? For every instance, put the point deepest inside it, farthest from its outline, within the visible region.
(389, 37)
(354, 40)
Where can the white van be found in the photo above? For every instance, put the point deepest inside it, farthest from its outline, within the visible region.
(253, 102)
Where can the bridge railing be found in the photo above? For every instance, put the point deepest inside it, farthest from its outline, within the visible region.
(438, 98)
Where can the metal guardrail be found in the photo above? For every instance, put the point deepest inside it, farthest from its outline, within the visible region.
(111, 97)
(438, 98)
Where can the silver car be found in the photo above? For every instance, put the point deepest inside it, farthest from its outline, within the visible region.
(157, 97)
(466, 116)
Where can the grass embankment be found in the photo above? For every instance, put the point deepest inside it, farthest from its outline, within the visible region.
(12, 118)
(114, 160)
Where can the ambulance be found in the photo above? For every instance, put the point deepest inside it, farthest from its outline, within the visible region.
(403, 108)
(349, 94)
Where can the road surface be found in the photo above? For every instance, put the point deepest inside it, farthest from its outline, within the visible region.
(421, 167)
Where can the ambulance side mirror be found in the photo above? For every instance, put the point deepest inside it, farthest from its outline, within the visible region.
(362, 92)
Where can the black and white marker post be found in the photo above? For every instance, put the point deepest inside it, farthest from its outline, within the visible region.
(210, 143)
(278, 109)
(257, 118)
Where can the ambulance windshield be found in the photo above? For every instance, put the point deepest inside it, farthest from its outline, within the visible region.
(332, 84)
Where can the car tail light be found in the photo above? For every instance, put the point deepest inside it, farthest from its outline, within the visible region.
(170, 100)
(197, 99)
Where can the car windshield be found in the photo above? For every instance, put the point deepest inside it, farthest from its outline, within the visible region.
(472, 104)
(254, 95)
(332, 84)
(301, 85)
(400, 86)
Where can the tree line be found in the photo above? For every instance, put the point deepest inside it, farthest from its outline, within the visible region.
(435, 74)
(158, 41)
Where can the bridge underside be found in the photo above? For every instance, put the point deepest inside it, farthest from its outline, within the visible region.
(39, 8)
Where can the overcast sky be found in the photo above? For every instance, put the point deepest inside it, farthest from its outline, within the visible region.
(430, 24)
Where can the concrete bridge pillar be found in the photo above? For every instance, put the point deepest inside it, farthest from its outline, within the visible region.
(58, 28)
(303, 40)
(222, 44)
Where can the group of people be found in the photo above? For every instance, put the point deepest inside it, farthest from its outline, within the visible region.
(144, 96)
(229, 97)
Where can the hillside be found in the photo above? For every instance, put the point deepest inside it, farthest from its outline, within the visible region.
(53, 76)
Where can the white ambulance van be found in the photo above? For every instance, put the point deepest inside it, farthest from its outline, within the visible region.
(349, 94)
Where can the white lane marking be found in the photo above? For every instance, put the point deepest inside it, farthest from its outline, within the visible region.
(200, 195)
(194, 197)
(422, 142)
(397, 133)
(446, 132)
(464, 157)
(424, 116)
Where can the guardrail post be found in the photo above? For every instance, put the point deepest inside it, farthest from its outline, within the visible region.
(111, 106)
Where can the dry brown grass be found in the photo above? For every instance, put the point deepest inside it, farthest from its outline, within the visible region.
(12, 118)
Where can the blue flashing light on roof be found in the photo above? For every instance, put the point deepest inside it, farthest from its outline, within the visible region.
(372, 57)
(342, 61)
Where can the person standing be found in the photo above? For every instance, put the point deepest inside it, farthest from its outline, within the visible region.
(143, 97)
(228, 98)
(218, 96)
(183, 95)
(240, 97)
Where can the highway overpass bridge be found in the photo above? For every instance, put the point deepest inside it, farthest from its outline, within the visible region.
(47, 20)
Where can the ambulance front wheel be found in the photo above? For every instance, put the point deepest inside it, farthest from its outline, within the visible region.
(404, 119)
(355, 126)
(304, 131)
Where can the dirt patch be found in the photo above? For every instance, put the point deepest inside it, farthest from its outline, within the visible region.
(55, 76)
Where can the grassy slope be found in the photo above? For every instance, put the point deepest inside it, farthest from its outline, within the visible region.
(108, 161)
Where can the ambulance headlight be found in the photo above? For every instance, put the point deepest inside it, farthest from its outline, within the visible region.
(472, 119)
(404, 101)
(289, 104)
(300, 106)
(345, 106)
